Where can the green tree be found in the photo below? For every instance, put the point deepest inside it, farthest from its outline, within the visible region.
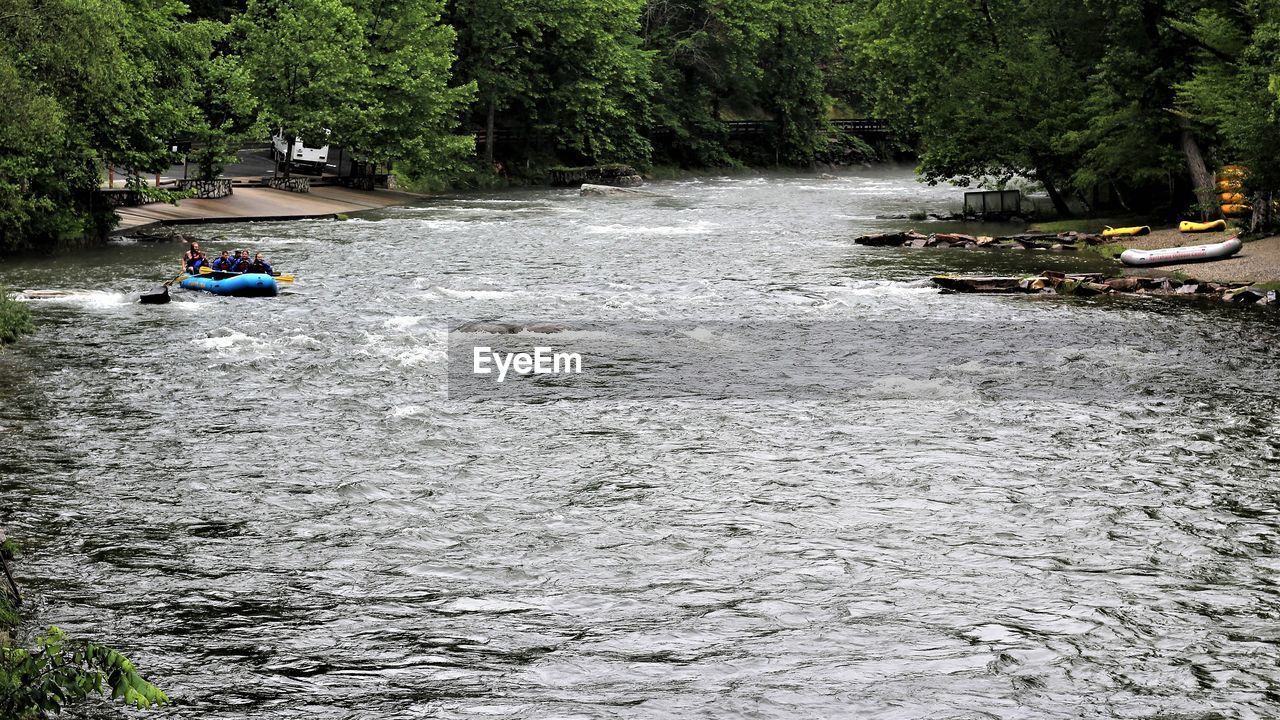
(1234, 88)
(33, 130)
(598, 81)
(716, 59)
(800, 43)
(569, 74)
(992, 89)
(226, 108)
(93, 82)
(409, 112)
(497, 43)
(1133, 141)
(307, 62)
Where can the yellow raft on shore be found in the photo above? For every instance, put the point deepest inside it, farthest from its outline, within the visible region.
(1187, 226)
(1126, 231)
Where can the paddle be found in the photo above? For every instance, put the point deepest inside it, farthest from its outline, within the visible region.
(278, 276)
(160, 296)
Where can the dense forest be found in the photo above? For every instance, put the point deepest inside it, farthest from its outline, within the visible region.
(1117, 103)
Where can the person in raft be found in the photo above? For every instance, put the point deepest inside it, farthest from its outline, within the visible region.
(222, 263)
(240, 263)
(193, 259)
(260, 266)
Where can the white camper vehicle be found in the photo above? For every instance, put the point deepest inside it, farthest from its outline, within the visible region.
(304, 158)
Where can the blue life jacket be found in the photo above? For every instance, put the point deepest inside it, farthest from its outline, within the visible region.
(221, 265)
(260, 267)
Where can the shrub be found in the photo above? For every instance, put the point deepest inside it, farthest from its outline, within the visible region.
(15, 319)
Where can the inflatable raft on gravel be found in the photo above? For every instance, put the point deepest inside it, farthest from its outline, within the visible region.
(1189, 253)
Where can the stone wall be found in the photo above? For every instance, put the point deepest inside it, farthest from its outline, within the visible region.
(293, 184)
(207, 189)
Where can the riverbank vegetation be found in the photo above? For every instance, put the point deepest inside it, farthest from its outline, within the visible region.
(1123, 106)
(60, 670)
(15, 319)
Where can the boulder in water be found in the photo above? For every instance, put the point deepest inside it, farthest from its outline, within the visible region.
(606, 190)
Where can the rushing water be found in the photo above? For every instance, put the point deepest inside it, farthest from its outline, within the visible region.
(1018, 507)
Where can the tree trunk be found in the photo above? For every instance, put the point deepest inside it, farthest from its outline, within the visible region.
(488, 132)
(289, 155)
(1059, 204)
(1201, 178)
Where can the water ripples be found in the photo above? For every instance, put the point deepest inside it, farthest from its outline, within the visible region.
(1048, 508)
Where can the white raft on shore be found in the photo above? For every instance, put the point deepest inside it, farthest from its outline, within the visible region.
(1189, 253)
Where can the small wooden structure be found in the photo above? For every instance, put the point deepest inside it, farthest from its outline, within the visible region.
(985, 203)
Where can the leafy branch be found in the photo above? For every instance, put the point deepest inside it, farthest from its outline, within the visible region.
(61, 670)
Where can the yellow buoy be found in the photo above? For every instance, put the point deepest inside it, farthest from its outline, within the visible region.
(1126, 231)
(1187, 226)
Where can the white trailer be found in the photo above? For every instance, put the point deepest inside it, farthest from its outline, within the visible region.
(304, 158)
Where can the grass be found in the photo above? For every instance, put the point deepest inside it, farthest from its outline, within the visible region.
(1091, 225)
(1110, 251)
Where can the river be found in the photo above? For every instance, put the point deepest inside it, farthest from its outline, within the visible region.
(1005, 507)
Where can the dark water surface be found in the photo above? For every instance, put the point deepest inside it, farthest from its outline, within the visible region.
(1029, 507)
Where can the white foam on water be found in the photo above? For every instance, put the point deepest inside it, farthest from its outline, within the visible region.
(451, 225)
(825, 187)
(897, 387)
(984, 369)
(402, 322)
(700, 227)
(228, 340)
(401, 411)
(700, 334)
(303, 341)
(1115, 357)
(486, 201)
(424, 355)
(885, 288)
(468, 294)
(470, 604)
(91, 299)
(271, 242)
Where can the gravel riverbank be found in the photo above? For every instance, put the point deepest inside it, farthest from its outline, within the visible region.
(1258, 261)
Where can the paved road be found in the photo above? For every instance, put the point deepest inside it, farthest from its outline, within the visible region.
(250, 163)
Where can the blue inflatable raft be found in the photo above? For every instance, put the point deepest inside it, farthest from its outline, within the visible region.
(243, 285)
